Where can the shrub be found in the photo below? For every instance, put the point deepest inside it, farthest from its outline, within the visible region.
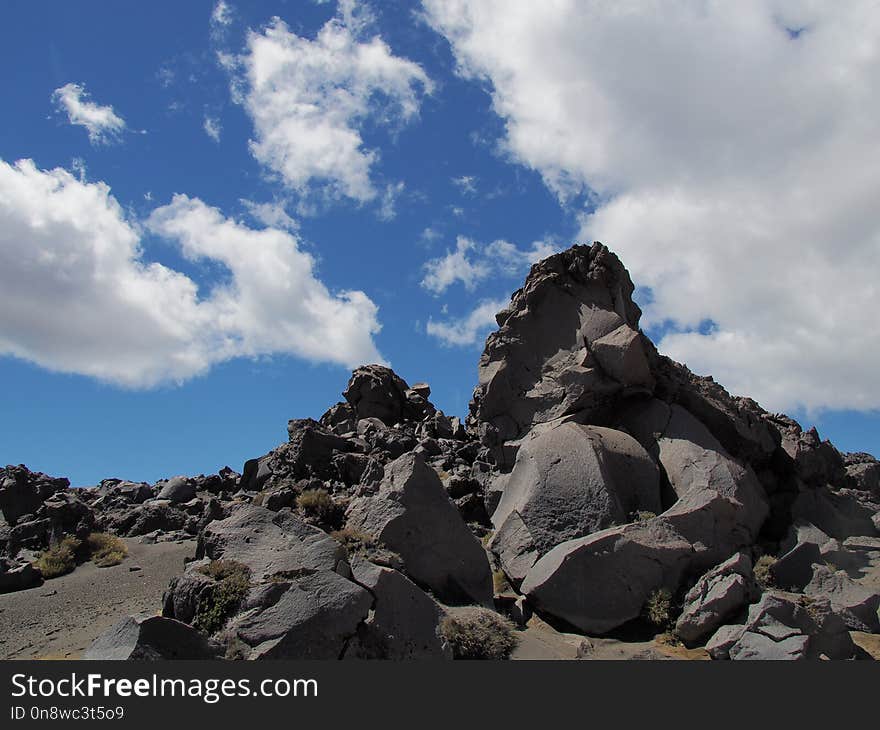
(478, 633)
(658, 607)
(316, 503)
(59, 559)
(643, 516)
(762, 570)
(219, 601)
(354, 541)
(105, 549)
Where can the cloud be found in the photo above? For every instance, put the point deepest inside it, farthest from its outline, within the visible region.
(102, 123)
(212, 127)
(469, 329)
(78, 296)
(733, 165)
(388, 207)
(271, 215)
(471, 263)
(308, 100)
(467, 184)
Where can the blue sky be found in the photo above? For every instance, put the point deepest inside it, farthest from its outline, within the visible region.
(422, 155)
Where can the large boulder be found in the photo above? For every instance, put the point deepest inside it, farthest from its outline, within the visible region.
(177, 489)
(22, 491)
(412, 515)
(569, 482)
(864, 472)
(600, 582)
(270, 544)
(152, 638)
(312, 615)
(717, 596)
(404, 622)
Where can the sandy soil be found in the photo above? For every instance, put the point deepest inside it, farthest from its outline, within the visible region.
(62, 617)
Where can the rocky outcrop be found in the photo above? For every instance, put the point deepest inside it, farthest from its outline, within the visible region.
(22, 491)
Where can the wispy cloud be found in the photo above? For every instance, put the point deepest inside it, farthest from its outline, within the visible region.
(101, 122)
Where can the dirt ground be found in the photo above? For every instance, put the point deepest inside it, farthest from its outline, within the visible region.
(62, 617)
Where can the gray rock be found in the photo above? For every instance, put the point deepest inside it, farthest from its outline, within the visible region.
(621, 355)
(538, 366)
(22, 491)
(412, 515)
(177, 489)
(313, 618)
(18, 577)
(600, 582)
(717, 596)
(787, 626)
(856, 604)
(721, 504)
(404, 621)
(271, 544)
(569, 482)
(794, 569)
(375, 391)
(718, 647)
(152, 638)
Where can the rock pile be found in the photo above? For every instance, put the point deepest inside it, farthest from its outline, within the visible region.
(595, 478)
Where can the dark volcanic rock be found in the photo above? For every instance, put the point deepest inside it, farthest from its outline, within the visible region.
(22, 491)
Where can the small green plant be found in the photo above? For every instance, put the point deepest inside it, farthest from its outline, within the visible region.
(105, 549)
(219, 601)
(643, 516)
(658, 607)
(316, 503)
(478, 633)
(60, 558)
(762, 571)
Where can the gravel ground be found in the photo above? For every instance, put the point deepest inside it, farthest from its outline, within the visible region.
(62, 617)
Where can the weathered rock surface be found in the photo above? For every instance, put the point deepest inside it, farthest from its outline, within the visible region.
(412, 515)
(22, 491)
(177, 489)
(600, 582)
(857, 605)
(570, 482)
(152, 638)
(404, 622)
(786, 626)
(717, 596)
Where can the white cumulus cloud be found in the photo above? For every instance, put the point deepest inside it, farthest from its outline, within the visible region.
(732, 154)
(308, 99)
(467, 330)
(101, 122)
(78, 296)
(471, 262)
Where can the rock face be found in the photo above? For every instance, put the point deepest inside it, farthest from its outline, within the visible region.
(412, 515)
(785, 626)
(540, 364)
(152, 638)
